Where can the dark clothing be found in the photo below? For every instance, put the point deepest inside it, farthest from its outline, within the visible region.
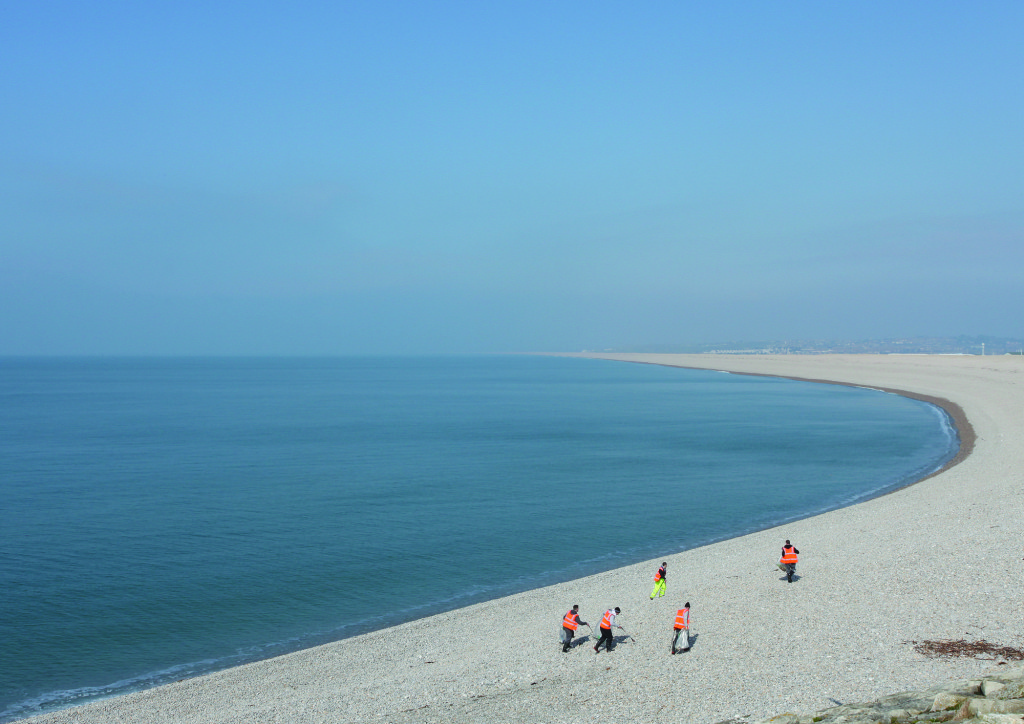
(606, 639)
(790, 568)
(567, 634)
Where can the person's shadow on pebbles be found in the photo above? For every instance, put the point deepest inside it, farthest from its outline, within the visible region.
(580, 641)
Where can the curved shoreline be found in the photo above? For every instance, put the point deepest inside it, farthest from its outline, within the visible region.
(953, 411)
(874, 576)
(964, 429)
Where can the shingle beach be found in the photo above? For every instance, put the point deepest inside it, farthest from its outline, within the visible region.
(941, 559)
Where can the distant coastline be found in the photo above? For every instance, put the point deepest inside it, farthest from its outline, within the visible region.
(964, 429)
(962, 345)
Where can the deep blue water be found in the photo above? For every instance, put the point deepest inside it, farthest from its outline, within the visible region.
(168, 517)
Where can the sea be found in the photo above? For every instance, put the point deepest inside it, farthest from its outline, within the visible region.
(163, 518)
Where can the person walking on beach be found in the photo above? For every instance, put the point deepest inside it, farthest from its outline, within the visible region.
(571, 622)
(788, 560)
(682, 629)
(607, 624)
(659, 581)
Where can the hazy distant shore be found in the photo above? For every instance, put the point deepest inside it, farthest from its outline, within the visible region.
(940, 559)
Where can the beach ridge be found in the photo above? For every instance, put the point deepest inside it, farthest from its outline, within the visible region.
(965, 431)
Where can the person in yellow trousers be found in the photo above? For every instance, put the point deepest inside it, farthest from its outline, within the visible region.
(681, 629)
(659, 581)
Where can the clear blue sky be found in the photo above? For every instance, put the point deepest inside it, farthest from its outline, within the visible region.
(334, 178)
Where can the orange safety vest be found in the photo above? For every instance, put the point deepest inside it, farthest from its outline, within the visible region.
(570, 620)
(788, 555)
(606, 622)
(682, 619)
(657, 576)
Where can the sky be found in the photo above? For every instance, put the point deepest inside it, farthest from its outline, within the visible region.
(307, 178)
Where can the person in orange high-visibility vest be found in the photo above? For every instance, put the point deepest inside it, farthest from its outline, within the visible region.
(607, 624)
(571, 622)
(681, 628)
(659, 581)
(788, 560)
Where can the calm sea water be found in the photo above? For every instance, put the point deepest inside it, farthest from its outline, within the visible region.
(163, 518)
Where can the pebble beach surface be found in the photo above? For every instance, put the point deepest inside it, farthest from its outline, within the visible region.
(941, 559)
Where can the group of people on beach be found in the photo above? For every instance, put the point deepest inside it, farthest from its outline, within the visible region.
(680, 626)
(571, 622)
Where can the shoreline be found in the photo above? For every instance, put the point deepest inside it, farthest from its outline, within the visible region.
(962, 426)
(434, 669)
(189, 670)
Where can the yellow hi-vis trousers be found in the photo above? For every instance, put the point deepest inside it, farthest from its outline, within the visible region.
(659, 588)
